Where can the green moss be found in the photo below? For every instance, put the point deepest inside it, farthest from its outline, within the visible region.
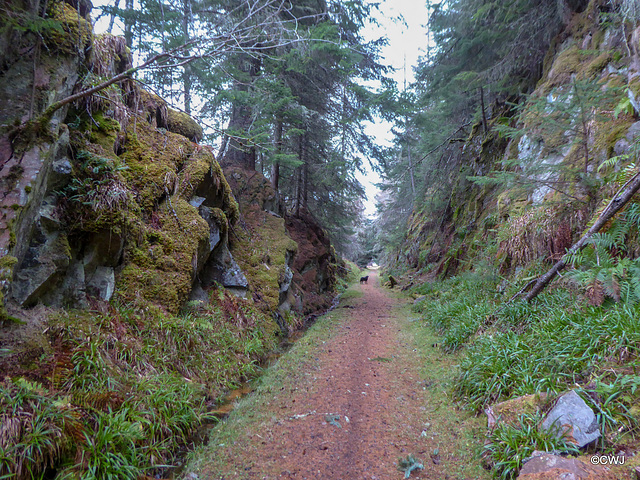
(266, 263)
(75, 34)
(153, 159)
(595, 66)
(7, 262)
(598, 38)
(608, 131)
(183, 124)
(159, 269)
(586, 22)
(262, 255)
(566, 64)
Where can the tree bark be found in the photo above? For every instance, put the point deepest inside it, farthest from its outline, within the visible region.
(238, 152)
(275, 168)
(113, 17)
(305, 174)
(128, 24)
(623, 197)
(186, 73)
(411, 174)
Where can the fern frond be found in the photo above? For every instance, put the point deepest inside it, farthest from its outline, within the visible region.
(610, 162)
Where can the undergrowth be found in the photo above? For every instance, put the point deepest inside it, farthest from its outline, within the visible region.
(124, 390)
(509, 445)
(556, 343)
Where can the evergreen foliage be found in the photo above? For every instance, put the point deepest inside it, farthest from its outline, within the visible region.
(292, 96)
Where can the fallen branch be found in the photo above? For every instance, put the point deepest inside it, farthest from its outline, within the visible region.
(622, 197)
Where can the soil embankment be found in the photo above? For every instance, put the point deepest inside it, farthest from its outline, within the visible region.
(346, 403)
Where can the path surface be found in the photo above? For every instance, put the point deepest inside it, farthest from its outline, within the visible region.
(370, 377)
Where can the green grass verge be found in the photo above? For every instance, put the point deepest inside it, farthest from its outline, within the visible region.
(460, 431)
(553, 344)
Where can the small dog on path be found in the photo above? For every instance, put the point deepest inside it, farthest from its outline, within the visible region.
(364, 279)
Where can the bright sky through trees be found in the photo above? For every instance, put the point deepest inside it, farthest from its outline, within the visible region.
(403, 22)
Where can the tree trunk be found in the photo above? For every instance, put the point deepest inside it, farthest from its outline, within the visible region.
(238, 152)
(186, 73)
(113, 17)
(411, 174)
(275, 168)
(620, 200)
(128, 24)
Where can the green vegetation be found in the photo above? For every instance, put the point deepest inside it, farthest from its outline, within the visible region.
(408, 465)
(551, 345)
(124, 391)
(509, 445)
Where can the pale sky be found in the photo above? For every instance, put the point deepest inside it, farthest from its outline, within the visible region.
(407, 39)
(403, 23)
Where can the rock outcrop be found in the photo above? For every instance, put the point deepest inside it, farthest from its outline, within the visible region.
(115, 200)
(545, 466)
(573, 419)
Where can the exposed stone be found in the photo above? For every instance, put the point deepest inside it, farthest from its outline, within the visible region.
(421, 298)
(633, 132)
(222, 268)
(60, 173)
(613, 38)
(197, 201)
(72, 292)
(621, 147)
(214, 228)
(545, 466)
(42, 268)
(102, 283)
(571, 417)
(286, 280)
(198, 294)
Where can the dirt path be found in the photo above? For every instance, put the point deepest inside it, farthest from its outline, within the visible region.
(361, 403)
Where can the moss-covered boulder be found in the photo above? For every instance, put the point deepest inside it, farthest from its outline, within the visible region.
(183, 124)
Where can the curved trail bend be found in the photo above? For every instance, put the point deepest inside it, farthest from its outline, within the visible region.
(362, 398)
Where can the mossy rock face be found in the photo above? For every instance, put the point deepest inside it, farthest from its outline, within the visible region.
(567, 63)
(159, 267)
(75, 34)
(153, 159)
(165, 244)
(264, 249)
(316, 265)
(183, 124)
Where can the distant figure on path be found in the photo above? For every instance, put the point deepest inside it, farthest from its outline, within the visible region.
(364, 279)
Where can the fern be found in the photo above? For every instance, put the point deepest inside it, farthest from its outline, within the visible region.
(600, 268)
(613, 161)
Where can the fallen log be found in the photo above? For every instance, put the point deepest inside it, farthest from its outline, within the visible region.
(621, 198)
